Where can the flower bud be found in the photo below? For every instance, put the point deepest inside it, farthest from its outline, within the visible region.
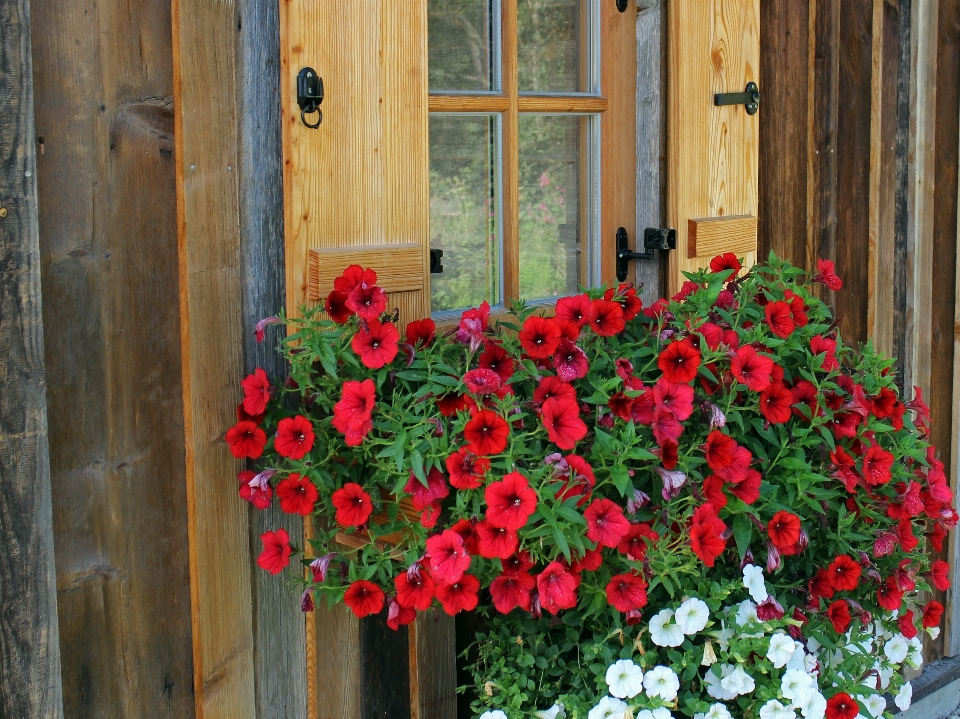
(773, 558)
(535, 608)
(747, 559)
(320, 566)
(770, 609)
(306, 600)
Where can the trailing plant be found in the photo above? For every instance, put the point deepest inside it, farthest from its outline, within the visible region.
(709, 507)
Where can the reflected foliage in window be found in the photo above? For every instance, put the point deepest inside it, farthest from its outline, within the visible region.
(461, 45)
(551, 41)
(464, 210)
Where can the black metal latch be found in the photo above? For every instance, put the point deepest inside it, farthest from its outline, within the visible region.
(436, 262)
(654, 238)
(309, 96)
(750, 99)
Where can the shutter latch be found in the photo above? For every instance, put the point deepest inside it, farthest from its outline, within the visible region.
(436, 262)
(750, 99)
(309, 96)
(653, 239)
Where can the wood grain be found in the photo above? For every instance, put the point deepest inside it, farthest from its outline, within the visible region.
(711, 236)
(278, 625)
(562, 104)
(433, 644)
(712, 151)
(385, 670)
(205, 76)
(951, 627)
(651, 140)
(338, 676)
(904, 167)
(511, 150)
(399, 267)
(29, 650)
(469, 103)
(109, 247)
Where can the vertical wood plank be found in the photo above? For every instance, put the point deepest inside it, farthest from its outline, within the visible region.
(384, 670)
(205, 75)
(651, 139)
(951, 628)
(338, 673)
(433, 666)
(784, 140)
(902, 216)
(509, 39)
(108, 244)
(278, 623)
(29, 650)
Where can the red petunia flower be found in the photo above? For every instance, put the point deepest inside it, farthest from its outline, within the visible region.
(570, 361)
(496, 542)
(561, 419)
(580, 479)
(906, 626)
(821, 586)
(294, 437)
(450, 404)
(364, 598)
(679, 361)
(466, 469)
(256, 392)
(839, 615)
(889, 595)
(776, 402)
(606, 524)
(749, 489)
(467, 529)
(398, 616)
(780, 319)
(376, 343)
(510, 591)
(422, 496)
(674, 397)
(844, 573)
(908, 541)
(367, 300)
(784, 530)
(751, 369)
(805, 392)
(940, 575)
(482, 381)
(626, 592)
(473, 323)
(726, 261)
(448, 556)
(459, 596)
(336, 307)
(626, 296)
(606, 318)
(634, 542)
(827, 275)
(510, 502)
(540, 336)
(421, 332)
(486, 433)
(297, 495)
(574, 309)
(276, 551)
(258, 494)
(495, 358)
(246, 440)
(415, 590)
(557, 588)
(244, 416)
(842, 706)
(712, 489)
(719, 450)
(352, 414)
(553, 388)
(353, 276)
(519, 562)
(353, 504)
(932, 613)
(877, 465)
(706, 534)
(828, 348)
(884, 403)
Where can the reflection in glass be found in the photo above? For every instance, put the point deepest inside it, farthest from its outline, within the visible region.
(552, 212)
(465, 209)
(552, 45)
(462, 45)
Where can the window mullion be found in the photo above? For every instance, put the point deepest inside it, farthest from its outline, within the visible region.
(511, 152)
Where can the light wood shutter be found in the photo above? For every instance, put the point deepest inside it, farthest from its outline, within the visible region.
(712, 152)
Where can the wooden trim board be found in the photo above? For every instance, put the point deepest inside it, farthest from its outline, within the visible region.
(711, 236)
(399, 268)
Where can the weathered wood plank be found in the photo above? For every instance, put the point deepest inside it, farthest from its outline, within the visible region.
(108, 242)
(338, 665)
(433, 666)
(384, 670)
(278, 622)
(205, 91)
(901, 197)
(29, 650)
(651, 138)
(784, 139)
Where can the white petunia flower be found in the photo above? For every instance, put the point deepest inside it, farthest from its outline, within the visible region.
(664, 631)
(625, 679)
(782, 648)
(660, 713)
(661, 682)
(746, 613)
(494, 714)
(874, 703)
(896, 648)
(812, 706)
(717, 711)
(775, 710)
(555, 712)
(886, 674)
(915, 657)
(904, 697)
(934, 632)
(609, 708)
(753, 581)
(796, 684)
(739, 682)
(809, 663)
(714, 682)
(692, 616)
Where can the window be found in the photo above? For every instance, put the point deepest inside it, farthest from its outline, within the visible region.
(515, 137)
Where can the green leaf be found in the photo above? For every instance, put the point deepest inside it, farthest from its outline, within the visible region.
(416, 461)
(621, 478)
(742, 532)
(561, 542)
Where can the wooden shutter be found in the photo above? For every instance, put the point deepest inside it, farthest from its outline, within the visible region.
(712, 152)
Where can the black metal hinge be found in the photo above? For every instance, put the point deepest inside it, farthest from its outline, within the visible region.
(750, 98)
(654, 238)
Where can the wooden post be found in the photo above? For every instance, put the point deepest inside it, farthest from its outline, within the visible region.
(29, 635)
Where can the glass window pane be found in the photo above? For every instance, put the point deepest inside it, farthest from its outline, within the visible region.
(553, 45)
(465, 209)
(552, 209)
(462, 45)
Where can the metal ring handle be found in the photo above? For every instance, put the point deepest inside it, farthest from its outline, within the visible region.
(309, 110)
